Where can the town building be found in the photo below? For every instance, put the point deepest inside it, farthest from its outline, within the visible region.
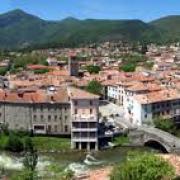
(146, 107)
(62, 111)
(73, 65)
(84, 111)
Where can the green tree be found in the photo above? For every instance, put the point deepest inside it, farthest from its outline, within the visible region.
(94, 87)
(165, 124)
(149, 65)
(92, 69)
(14, 143)
(24, 175)
(3, 71)
(129, 67)
(28, 145)
(143, 166)
(30, 160)
(41, 71)
(4, 128)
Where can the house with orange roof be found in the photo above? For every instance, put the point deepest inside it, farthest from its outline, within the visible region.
(53, 111)
(143, 108)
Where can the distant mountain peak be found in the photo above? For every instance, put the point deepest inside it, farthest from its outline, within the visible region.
(70, 18)
(16, 12)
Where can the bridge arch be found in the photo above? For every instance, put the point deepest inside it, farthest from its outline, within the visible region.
(152, 143)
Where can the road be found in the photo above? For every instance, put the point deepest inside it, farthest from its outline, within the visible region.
(107, 109)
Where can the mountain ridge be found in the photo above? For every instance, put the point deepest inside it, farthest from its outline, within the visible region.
(19, 29)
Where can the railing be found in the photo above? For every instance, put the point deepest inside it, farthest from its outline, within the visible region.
(84, 129)
(39, 131)
(85, 139)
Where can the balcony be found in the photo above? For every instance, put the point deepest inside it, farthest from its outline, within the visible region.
(84, 139)
(84, 129)
(84, 118)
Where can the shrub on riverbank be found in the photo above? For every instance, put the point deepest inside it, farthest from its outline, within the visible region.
(144, 166)
(14, 143)
(165, 124)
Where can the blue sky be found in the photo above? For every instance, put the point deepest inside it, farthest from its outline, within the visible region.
(98, 9)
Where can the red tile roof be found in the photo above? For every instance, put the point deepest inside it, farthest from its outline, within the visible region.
(75, 93)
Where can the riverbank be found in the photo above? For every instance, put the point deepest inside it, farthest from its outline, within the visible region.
(99, 174)
(103, 173)
(174, 160)
(51, 144)
(16, 142)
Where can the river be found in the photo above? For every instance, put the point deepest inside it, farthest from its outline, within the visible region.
(79, 162)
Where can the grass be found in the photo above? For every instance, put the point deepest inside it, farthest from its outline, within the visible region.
(51, 143)
(3, 141)
(41, 143)
(121, 140)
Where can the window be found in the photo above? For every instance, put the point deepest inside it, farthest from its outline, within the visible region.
(55, 117)
(145, 115)
(66, 128)
(39, 127)
(49, 117)
(75, 111)
(49, 128)
(55, 128)
(91, 103)
(34, 117)
(42, 117)
(41, 108)
(75, 103)
(91, 111)
(34, 109)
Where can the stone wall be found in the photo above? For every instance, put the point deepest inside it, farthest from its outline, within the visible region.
(22, 116)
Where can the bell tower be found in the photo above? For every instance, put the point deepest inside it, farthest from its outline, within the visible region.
(73, 65)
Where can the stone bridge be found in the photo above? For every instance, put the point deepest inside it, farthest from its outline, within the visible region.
(153, 137)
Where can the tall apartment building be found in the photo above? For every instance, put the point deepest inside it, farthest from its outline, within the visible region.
(84, 111)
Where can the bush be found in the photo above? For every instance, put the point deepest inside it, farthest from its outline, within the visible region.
(4, 129)
(165, 124)
(3, 141)
(129, 67)
(41, 71)
(143, 166)
(92, 69)
(14, 143)
(3, 71)
(25, 175)
(28, 144)
(121, 140)
(30, 161)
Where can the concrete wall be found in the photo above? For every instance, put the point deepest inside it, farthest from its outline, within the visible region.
(17, 116)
